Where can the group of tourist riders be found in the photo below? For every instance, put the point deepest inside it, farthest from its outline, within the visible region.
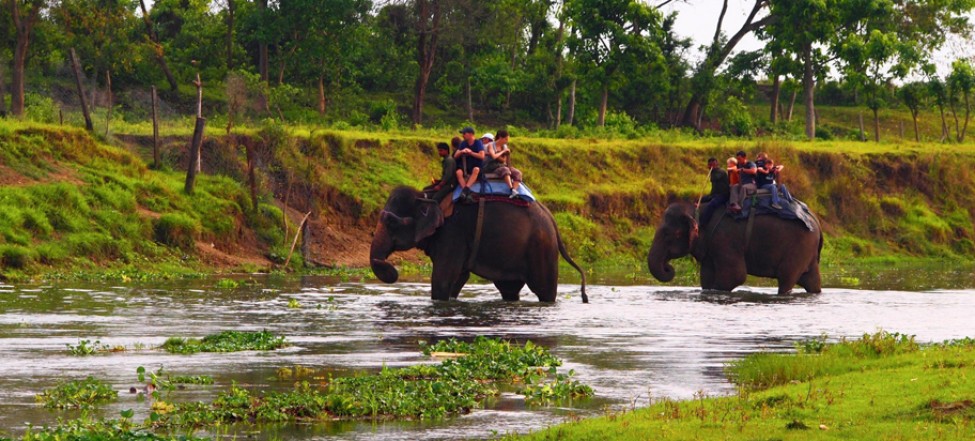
(742, 178)
(476, 158)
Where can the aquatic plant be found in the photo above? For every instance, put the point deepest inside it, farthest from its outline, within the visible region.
(78, 394)
(451, 387)
(87, 347)
(226, 341)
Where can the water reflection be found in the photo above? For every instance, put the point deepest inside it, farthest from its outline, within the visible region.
(631, 343)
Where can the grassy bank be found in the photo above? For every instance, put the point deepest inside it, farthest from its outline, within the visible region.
(72, 203)
(880, 387)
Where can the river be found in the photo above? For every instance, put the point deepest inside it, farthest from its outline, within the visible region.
(632, 343)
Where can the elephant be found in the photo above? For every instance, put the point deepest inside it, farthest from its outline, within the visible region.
(777, 248)
(518, 245)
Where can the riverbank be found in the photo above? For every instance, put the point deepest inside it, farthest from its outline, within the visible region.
(77, 205)
(881, 387)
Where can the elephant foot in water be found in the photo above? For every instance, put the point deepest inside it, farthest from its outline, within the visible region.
(510, 291)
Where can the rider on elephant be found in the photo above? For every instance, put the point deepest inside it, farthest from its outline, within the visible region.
(470, 155)
(746, 181)
(448, 179)
(720, 191)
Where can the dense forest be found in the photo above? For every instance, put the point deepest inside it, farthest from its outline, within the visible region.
(535, 63)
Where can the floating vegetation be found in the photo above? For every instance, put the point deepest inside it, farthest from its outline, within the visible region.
(294, 304)
(226, 341)
(87, 347)
(78, 394)
(452, 387)
(191, 379)
(227, 284)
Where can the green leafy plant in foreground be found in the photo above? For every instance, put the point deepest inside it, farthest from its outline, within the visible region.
(451, 387)
(78, 394)
(226, 341)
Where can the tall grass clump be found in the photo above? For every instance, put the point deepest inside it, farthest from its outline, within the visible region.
(817, 358)
(177, 229)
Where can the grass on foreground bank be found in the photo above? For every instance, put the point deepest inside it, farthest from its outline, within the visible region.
(470, 372)
(882, 386)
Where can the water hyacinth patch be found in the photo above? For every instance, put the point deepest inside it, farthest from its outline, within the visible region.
(421, 392)
(226, 341)
(78, 394)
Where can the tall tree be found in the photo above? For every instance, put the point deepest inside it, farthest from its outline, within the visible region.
(718, 51)
(961, 86)
(157, 47)
(608, 35)
(914, 95)
(428, 15)
(25, 15)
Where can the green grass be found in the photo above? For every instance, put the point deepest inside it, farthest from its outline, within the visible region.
(880, 387)
(226, 341)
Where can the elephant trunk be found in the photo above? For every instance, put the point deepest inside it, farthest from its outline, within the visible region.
(657, 260)
(382, 247)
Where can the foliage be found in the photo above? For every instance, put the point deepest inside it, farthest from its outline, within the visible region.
(880, 387)
(226, 341)
(423, 392)
(78, 394)
(177, 229)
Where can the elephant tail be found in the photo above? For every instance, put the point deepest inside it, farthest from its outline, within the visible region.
(565, 253)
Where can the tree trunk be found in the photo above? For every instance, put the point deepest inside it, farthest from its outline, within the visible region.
(558, 112)
(808, 88)
(954, 114)
(3, 92)
(76, 67)
(231, 12)
(428, 13)
(602, 106)
(199, 116)
(321, 95)
(18, 77)
(470, 100)
(792, 105)
(863, 136)
(262, 61)
(776, 91)
(917, 136)
(876, 124)
(108, 93)
(964, 129)
(157, 47)
(572, 103)
(944, 122)
(155, 130)
(194, 155)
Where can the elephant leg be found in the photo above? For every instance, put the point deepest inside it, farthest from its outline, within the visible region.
(545, 283)
(786, 282)
(447, 280)
(729, 273)
(707, 275)
(811, 280)
(510, 291)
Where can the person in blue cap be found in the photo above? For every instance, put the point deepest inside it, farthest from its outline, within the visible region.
(470, 157)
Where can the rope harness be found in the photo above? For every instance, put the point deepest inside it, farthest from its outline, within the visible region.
(477, 234)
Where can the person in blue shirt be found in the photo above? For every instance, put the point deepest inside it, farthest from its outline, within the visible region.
(746, 181)
(470, 158)
(765, 178)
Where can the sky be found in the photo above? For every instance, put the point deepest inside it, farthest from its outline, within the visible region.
(697, 18)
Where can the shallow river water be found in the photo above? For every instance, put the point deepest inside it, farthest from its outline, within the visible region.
(631, 343)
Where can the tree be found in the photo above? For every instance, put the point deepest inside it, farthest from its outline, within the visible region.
(939, 94)
(157, 47)
(607, 36)
(25, 14)
(914, 96)
(961, 84)
(428, 15)
(98, 30)
(719, 50)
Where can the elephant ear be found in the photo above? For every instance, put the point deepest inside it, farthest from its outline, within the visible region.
(692, 230)
(428, 217)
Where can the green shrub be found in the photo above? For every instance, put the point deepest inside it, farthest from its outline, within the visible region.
(40, 108)
(177, 229)
(50, 253)
(15, 256)
(96, 246)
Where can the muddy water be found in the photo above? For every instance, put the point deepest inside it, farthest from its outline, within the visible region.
(631, 343)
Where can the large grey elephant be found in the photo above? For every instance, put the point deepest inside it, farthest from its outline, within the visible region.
(518, 245)
(776, 248)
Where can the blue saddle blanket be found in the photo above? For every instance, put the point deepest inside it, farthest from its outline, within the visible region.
(792, 210)
(499, 188)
